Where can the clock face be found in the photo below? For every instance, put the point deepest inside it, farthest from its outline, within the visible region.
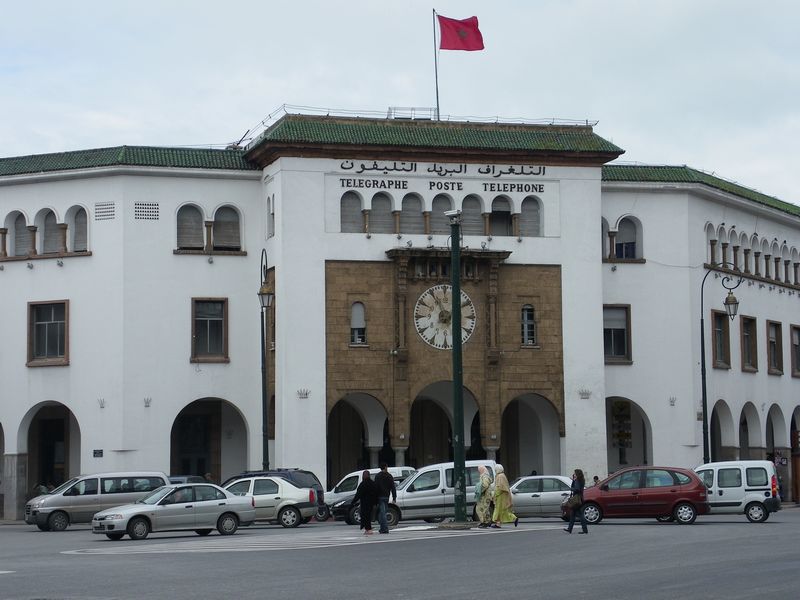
(433, 317)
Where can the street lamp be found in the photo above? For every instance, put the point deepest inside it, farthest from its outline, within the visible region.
(265, 297)
(731, 308)
(459, 467)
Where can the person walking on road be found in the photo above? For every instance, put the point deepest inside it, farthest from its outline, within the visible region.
(502, 500)
(575, 502)
(386, 487)
(367, 494)
(483, 497)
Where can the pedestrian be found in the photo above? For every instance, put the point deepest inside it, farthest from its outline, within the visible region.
(503, 504)
(207, 477)
(386, 487)
(483, 497)
(575, 502)
(367, 494)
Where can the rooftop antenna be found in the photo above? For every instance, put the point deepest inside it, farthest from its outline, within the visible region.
(237, 145)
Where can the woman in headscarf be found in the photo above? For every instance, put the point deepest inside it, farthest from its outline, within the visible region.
(483, 497)
(367, 493)
(502, 500)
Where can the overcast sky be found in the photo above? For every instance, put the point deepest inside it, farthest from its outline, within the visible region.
(709, 83)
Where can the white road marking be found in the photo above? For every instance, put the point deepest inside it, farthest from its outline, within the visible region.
(287, 541)
(6, 572)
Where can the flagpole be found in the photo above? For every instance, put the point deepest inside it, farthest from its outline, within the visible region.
(436, 64)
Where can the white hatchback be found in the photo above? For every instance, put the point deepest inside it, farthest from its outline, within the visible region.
(748, 487)
(277, 500)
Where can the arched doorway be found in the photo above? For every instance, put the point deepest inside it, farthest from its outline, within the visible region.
(209, 436)
(431, 425)
(722, 438)
(751, 446)
(358, 436)
(53, 440)
(630, 436)
(529, 437)
(778, 450)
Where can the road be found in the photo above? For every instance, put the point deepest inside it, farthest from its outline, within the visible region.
(717, 557)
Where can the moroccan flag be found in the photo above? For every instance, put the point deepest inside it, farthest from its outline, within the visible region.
(460, 35)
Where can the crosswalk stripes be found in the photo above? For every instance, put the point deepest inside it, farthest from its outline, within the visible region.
(267, 540)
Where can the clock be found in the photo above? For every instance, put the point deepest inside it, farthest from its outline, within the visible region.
(433, 317)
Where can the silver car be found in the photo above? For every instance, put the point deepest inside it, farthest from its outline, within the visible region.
(198, 507)
(276, 499)
(540, 495)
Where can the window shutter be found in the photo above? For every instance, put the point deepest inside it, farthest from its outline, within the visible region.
(380, 217)
(411, 219)
(351, 219)
(500, 219)
(21, 237)
(190, 228)
(471, 218)
(50, 242)
(440, 224)
(226, 229)
(530, 218)
(80, 244)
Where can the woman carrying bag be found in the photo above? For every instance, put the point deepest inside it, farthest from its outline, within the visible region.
(575, 502)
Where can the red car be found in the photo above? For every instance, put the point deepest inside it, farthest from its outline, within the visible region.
(666, 493)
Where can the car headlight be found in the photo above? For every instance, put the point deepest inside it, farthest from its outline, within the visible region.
(340, 504)
(36, 505)
(116, 517)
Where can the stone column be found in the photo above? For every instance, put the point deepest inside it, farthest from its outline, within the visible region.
(209, 235)
(796, 273)
(612, 252)
(727, 453)
(515, 225)
(396, 215)
(487, 229)
(400, 456)
(365, 212)
(767, 261)
(777, 268)
(757, 262)
(373, 456)
(62, 238)
(747, 260)
(3, 234)
(491, 452)
(724, 254)
(736, 258)
(32, 242)
(15, 486)
(426, 218)
(713, 244)
(786, 277)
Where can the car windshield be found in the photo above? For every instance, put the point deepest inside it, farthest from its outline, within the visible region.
(64, 486)
(156, 495)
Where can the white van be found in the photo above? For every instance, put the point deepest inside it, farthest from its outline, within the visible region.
(742, 486)
(77, 500)
(429, 493)
(346, 487)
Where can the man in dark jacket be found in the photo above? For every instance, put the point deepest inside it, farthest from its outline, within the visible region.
(367, 494)
(386, 487)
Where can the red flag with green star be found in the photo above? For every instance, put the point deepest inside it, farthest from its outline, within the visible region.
(460, 34)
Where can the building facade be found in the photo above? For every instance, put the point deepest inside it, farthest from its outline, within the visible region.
(131, 325)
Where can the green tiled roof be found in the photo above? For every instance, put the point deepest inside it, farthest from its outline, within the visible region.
(139, 156)
(684, 174)
(305, 129)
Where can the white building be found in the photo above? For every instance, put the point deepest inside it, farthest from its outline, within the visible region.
(131, 325)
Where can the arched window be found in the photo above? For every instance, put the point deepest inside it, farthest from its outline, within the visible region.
(380, 217)
(471, 217)
(625, 243)
(411, 219)
(50, 240)
(190, 228)
(440, 224)
(500, 219)
(226, 229)
(79, 234)
(22, 237)
(528, 326)
(350, 217)
(358, 324)
(530, 218)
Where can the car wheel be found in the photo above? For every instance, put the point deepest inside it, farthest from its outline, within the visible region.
(44, 527)
(354, 515)
(684, 513)
(115, 536)
(138, 528)
(592, 513)
(393, 517)
(202, 531)
(289, 517)
(665, 519)
(227, 524)
(58, 521)
(323, 512)
(756, 513)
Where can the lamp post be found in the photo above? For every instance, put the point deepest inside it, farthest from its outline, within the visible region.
(459, 467)
(731, 307)
(265, 297)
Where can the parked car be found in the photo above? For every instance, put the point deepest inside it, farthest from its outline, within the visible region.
(344, 509)
(198, 507)
(666, 493)
(277, 499)
(347, 485)
(748, 487)
(81, 497)
(187, 479)
(299, 477)
(540, 495)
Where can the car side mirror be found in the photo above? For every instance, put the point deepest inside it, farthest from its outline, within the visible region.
(604, 487)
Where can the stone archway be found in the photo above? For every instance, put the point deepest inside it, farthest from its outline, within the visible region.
(209, 436)
(751, 444)
(50, 437)
(722, 437)
(630, 435)
(779, 451)
(358, 436)
(529, 437)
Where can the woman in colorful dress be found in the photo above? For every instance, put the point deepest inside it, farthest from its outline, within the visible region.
(483, 497)
(503, 504)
